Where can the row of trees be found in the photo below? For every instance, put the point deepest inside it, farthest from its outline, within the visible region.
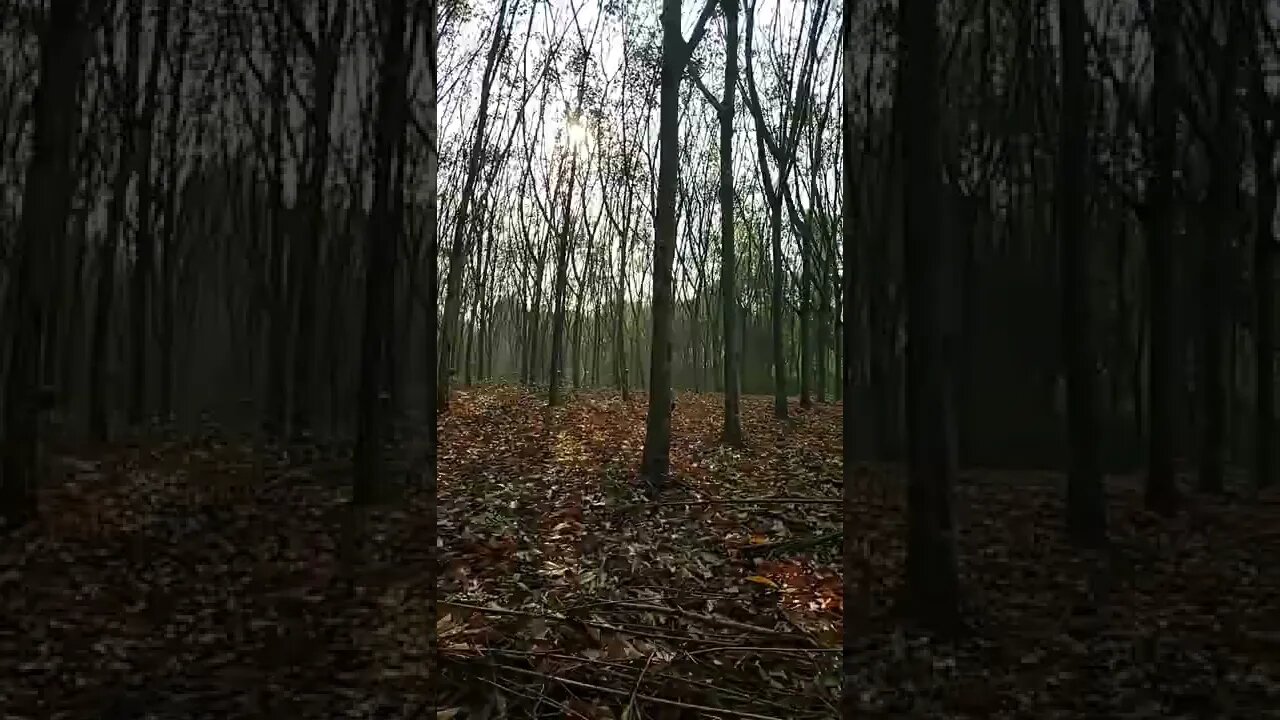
(215, 206)
(990, 148)
(544, 274)
(1044, 138)
(188, 184)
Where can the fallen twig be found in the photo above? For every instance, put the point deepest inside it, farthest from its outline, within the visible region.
(541, 698)
(764, 649)
(631, 701)
(735, 501)
(793, 544)
(592, 623)
(711, 619)
(646, 698)
(620, 669)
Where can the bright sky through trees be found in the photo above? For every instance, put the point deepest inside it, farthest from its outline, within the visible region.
(606, 54)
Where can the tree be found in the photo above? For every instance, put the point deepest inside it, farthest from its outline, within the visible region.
(457, 247)
(850, 500)
(655, 460)
(730, 343)
(561, 285)
(781, 147)
(323, 46)
(428, 17)
(932, 576)
(381, 235)
(1218, 128)
(1260, 109)
(1086, 500)
(46, 205)
(1161, 488)
(126, 165)
(144, 242)
(732, 433)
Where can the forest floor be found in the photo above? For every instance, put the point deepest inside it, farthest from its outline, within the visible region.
(214, 578)
(576, 595)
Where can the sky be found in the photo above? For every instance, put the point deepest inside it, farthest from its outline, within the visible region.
(605, 37)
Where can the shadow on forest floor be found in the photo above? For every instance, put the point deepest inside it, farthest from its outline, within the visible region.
(208, 579)
(1178, 618)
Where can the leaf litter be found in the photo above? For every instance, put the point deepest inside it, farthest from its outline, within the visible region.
(1176, 618)
(572, 594)
(212, 577)
(205, 577)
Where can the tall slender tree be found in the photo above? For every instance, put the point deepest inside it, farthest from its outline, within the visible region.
(46, 205)
(324, 47)
(1161, 489)
(725, 110)
(100, 361)
(1086, 503)
(144, 241)
(1261, 109)
(655, 463)
(932, 575)
(381, 235)
(849, 504)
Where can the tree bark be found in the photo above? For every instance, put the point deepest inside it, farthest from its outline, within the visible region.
(731, 350)
(168, 263)
(932, 576)
(844, 292)
(1261, 108)
(46, 203)
(1161, 491)
(331, 34)
(655, 463)
(100, 361)
(560, 291)
(381, 236)
(144, 240)
(276, 418)
(1218, 237)
(1086, 501)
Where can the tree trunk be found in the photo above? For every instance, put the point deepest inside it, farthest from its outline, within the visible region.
(143, 239)
(1086, 501)
(168, 263)
(844, 293)
(1161, 489)
(381, 237)
(655, 462)
(805, 365)
(731, 350)
(332, 32)
(276, 417)
(554, 398)
(1264, 246)
(777, 310)
(100, 361)
(1218, 238)
(932, 576)
(46, 203)
(619, 329)
(458, 249)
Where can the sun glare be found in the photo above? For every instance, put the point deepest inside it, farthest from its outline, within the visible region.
(577, 136)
